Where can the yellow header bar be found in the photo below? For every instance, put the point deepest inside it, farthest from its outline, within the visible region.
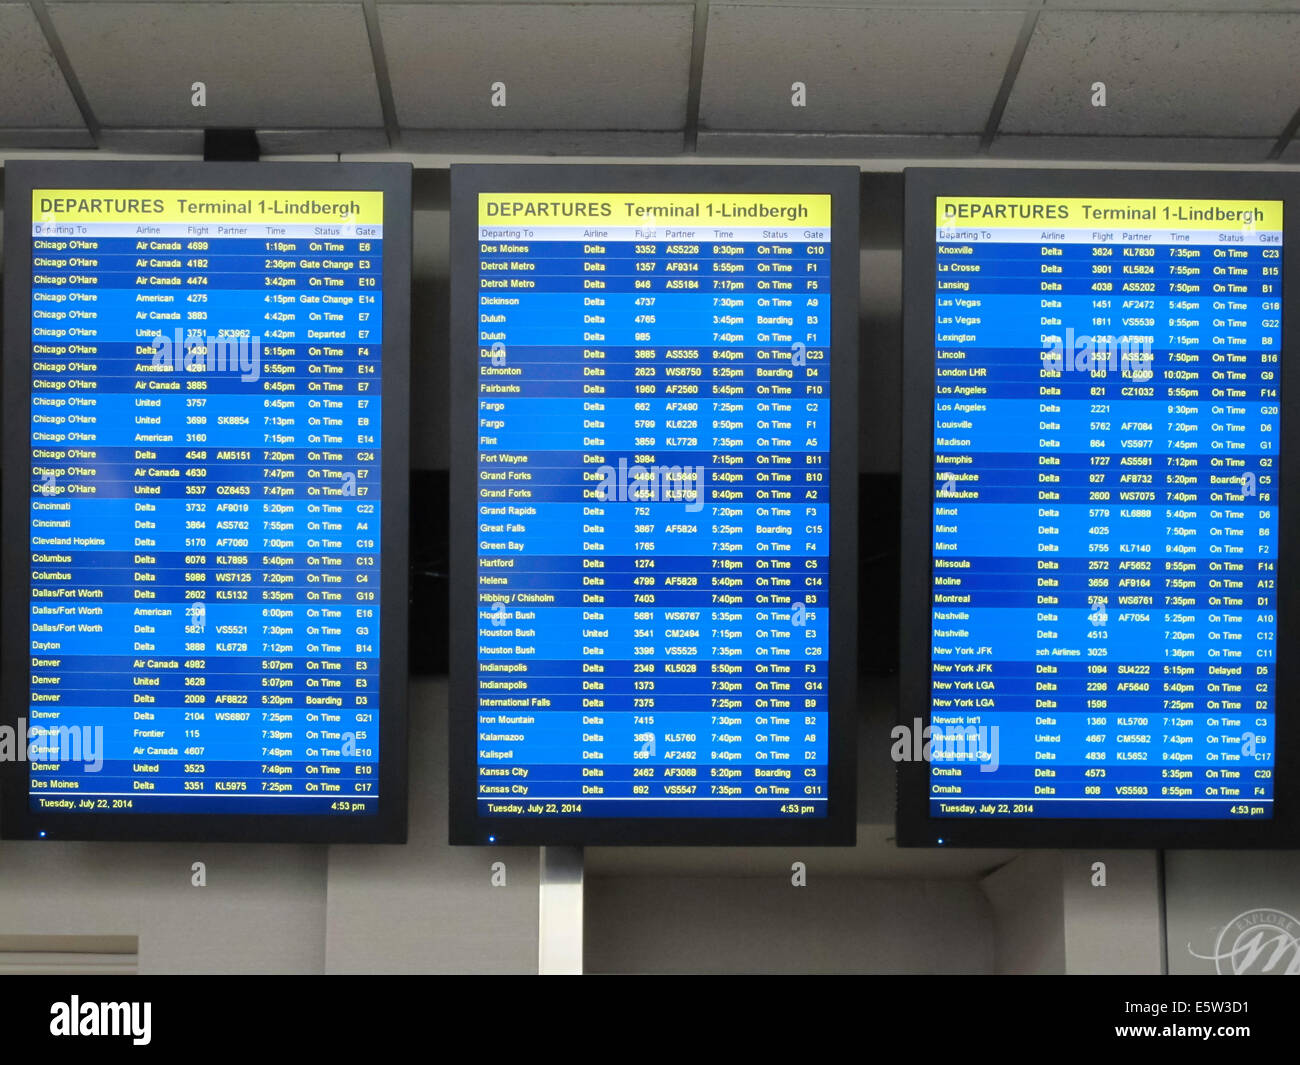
(232, 206)
(650, 208)
(1019, 212)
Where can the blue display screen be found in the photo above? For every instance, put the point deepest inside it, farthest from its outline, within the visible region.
(205, 501)
(1105, 505)
(653, 394)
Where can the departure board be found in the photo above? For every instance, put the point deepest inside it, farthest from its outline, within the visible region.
(205, 505)
(652, 484)
(1105, 375)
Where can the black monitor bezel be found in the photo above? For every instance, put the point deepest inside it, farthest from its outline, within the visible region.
(388, 824)
(915, 826)
(840, 824)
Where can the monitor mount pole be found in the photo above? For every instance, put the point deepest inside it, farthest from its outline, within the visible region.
(559, 918)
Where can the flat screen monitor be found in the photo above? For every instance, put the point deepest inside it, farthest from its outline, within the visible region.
(205, 501)
(1098, 509)
(653, 490)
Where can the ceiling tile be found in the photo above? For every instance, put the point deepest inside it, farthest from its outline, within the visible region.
(46, 138)
(867, 70)
(837, 145)
(509, 142)
(1170, 74)
(152, 141)
(1291, 154)
(320, 141)
(1134, 149)
(33, 92)
(565, 66)
(1178, 5)
(282, 65)
(965, 5)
